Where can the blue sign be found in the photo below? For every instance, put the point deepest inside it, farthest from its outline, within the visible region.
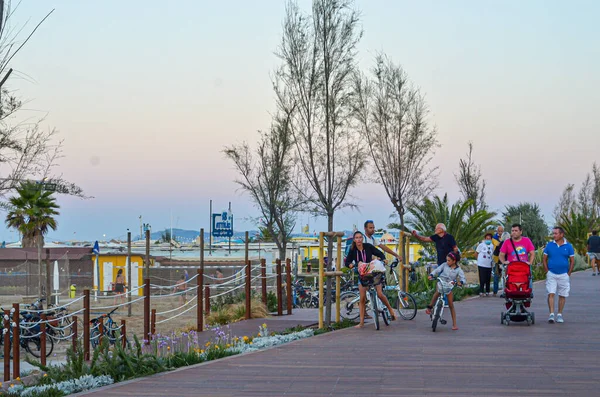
(222, 224)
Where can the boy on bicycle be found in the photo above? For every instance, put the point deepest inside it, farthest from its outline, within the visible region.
(447, 273)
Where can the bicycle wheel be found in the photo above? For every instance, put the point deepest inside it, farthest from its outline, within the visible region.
(94, 338)
(34, 346)
(436, 315)
(349, 305)
(385, 314)
(375, 310)
(406, 305)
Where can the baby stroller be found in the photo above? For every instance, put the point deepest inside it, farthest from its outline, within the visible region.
(518, 294)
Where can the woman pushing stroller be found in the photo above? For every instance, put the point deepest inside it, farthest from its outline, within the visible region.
(448, 272)
(361, 255)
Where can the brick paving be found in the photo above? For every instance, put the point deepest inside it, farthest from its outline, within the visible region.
(483, 358)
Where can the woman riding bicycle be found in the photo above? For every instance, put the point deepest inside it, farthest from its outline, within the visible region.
(363, 253)
(447, 273)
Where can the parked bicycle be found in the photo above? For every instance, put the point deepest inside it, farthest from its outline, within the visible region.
(30, 337)
(59, 321)
(403, 302)
(110, 329)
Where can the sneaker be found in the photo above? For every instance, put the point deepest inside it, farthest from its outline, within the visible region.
(551, 318)
(559, 318)
(593, 274)
(428, 311)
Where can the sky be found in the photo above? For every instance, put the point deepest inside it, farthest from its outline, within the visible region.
(145, 95)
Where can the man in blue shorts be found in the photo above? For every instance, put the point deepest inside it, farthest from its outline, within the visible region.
(559, 258)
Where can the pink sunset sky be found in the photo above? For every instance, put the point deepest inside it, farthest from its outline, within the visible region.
(145, 95)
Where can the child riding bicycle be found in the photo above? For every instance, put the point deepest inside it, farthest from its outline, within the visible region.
(448, 272)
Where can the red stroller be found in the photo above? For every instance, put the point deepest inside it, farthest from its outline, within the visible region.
(518, 293)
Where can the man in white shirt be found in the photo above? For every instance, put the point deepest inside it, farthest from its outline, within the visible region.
(370, 239)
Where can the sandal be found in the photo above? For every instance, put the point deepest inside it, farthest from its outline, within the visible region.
(454, 328)
(359, 326)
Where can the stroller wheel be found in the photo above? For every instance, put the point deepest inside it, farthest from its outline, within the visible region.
(532, 318)
(502, 318)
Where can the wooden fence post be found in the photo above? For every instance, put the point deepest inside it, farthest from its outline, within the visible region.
(263, 280)
(199, 299)
(288, 278)
(43, 339)
(153, 323)
(207, 299)
(279, 292)
(6, 322)
(16, 342)
(86, 324)
(147, 310)
(124, 333)
(74, 333)
(248, 290)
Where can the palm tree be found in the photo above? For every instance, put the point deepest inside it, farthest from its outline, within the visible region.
(32, 212)
(576, 226)
(467, 230)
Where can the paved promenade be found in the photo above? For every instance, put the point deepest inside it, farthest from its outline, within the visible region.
(482, 358)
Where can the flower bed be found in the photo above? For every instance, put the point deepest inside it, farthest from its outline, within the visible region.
(111, 364)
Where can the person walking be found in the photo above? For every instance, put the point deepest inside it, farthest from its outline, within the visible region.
(517, 248)
(593, 249)
(484, 264)
(370, 239)
(559, 258)
(444, 242)
(498, 267)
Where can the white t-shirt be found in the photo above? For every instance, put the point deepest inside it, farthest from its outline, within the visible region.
(371, 240)
(484, 257)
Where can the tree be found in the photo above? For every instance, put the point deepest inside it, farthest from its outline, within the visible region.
(268, 180)
(576, 226)
(27, 151)
(314, 87)
(467, 229)
(471, 183)
(531, 219)
(33, 213)
(392, 116)
(567, 203)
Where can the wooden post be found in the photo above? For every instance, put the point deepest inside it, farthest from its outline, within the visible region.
(16, 342)
(100, 331)
(74, 333)
(248, 288)
(147, 261)
(207, 299)
(129, 284)
(153, 323)
(86, 324)
(147, 305)
(338, 286)
(48, 279)
(43, 339)
(321, 279)
(288, 279)
(124, 333)
(279, 292)
(200, 284)
(7, 346)
(263, 280)
(405, 268)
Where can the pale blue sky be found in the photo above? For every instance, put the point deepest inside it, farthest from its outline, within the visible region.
(146, 93)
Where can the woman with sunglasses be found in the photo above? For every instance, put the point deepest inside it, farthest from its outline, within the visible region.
(361, 252)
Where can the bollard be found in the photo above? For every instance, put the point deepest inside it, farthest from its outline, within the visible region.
(288, 278)
(124, 333)
(207, 300)
(279, 292)
(248, 289)
(263, 280)
(74, 333)
(6, 345)
(147, 310)
(199, 299)
(16, 342)
(86, 324)
(153, 323)
(43, 339)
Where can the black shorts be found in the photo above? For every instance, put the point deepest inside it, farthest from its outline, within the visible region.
(120, 288)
